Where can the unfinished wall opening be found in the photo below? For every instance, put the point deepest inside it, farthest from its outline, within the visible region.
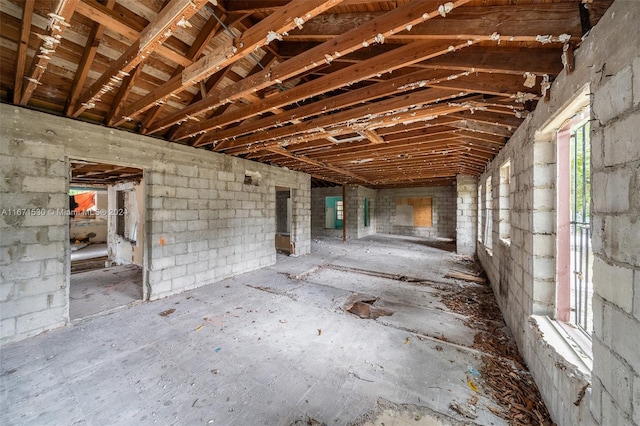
(283, 220)
(333, 212)
(505, 202)
(366, 211)
(106, 235)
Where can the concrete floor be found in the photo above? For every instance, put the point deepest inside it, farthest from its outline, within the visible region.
(271, 347)
(102, 290)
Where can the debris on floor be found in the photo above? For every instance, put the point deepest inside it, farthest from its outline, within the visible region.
(389, 413)
(307, 421)
(365, 309)
(167, 312)
(465, 277)
(503, 374)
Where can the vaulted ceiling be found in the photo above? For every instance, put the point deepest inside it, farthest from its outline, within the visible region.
(377, 93)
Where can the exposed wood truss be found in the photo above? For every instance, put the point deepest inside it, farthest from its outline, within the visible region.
(376, 93)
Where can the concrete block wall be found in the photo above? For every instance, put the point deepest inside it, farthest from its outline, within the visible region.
(444, 207)
(522, 270)
(300, 211)
(34, 234)
(615, 163)
(466, 216)
(203, 223)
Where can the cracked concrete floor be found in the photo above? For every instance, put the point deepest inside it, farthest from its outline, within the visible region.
(272, 347)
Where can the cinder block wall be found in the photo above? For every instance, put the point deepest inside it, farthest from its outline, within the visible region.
(466, 216)
(203, 223)
(522, 271)
(443, 211)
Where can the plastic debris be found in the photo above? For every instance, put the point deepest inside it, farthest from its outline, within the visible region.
(473, 371)
(199, 328)
(472, 385)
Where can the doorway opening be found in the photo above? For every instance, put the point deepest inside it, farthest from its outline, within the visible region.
(283, 221)
(106, 237)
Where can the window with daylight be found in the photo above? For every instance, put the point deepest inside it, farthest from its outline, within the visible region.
(575, 255)
(505, 202)
(333, 212)
(479, 231)
(488, 214)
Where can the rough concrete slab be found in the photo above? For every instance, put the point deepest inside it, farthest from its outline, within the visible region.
(259, 348)
(101, 290)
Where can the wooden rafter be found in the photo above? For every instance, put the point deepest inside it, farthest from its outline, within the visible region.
(58, 22)
(123, 91)
(128, 28)
(205, 35)
(88, 55)
(374, 112)
(392, 22)
(411, 53)
(171, 17)
(267, 30)
(510, 23)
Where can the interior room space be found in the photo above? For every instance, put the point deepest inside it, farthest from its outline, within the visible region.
(106, 236)
(320, 212)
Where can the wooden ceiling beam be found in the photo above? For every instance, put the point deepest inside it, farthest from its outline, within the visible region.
(23, 45)
(375, 114)
(123, 92)
(501, 59)
(84, 66)
(391, 149)
(205, 35)
(58, 22)
(497, 119)
(267, 30)
(482, 127)
(128, 28)
(392, 22)
(157, 32)
(282, 151)
(490, 84)
(388, 62)
(511, 22)
(424, 113)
